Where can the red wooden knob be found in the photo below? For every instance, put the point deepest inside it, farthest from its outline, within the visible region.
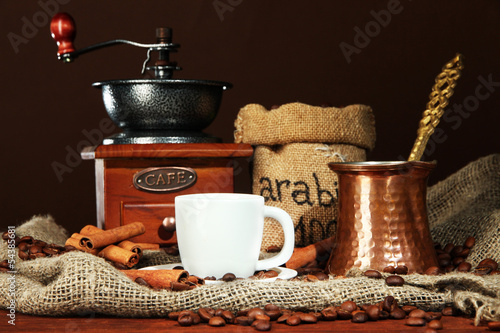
(63, 30)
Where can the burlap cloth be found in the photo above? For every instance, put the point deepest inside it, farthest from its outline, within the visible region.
(465, 204)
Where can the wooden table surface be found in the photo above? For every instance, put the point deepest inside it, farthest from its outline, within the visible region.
(91, 323)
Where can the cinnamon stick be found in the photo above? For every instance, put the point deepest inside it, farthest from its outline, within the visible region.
(119, 255)
(160, 279)
(131, 246)
(90, 230)
(76, 241)
(303, 255)
(111, 236)
(149, 246)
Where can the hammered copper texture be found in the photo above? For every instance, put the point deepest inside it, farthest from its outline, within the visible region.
(157, 104)
(382, 217)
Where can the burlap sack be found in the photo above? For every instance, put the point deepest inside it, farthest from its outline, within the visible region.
(465, 204)
(295, 143)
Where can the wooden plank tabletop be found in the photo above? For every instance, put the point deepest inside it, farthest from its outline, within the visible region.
(93, 323)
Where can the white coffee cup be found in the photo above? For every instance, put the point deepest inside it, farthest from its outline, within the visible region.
(219, 233)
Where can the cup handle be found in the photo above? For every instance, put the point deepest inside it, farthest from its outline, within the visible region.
(286, 252)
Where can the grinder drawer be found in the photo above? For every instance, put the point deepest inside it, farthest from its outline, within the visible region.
(152, 216)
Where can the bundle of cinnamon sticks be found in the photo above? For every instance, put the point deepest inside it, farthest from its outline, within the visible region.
(113, 244)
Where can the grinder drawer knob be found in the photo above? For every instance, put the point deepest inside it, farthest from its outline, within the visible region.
(169, 224)
(63, 31)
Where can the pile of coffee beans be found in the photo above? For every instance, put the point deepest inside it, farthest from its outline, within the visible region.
(452, 258)
(262, 319)
(30, 248)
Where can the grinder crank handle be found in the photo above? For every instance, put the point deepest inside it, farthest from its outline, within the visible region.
(63, 31)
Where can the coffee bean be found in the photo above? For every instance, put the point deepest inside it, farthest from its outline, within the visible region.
(329, 314)
(120, 266)
(271, 307)
(435, 325)
(243, 320)
(311, 278)
(171, 250)
(228, 316)
(50, 251)
(70, 248)
(142, 282)
(5, 235)
(179, 286)
(465, 253)
(274, 107)
(205, 314)
(37, 255)
(359, 317)
(228, 277)
(394, 280)
(494, 325)
(373, 312)
(389, 304)
(273, 249)
(27, 239)
(457, 261)
(483, 270)
(283, 318)
(414, 321)
(308, 318)
(321, 276)
(469, 242)
(449, 268)
(262, 325)
(218, 312)
(210, 278)
(448, 311)
(4, 270)
(448, 248)
(273, 314)
(344, 314)
(408, 308)
(349, 306)
(464, 267)
(173, 315)
(23, 255)
(384, 315)
(398, 313)
(270, 274)
(4, 263)
(293, 320)
(23, 246)
(35, 249)
(390, 269)
(417, 314)
(371, 273)
(185, 320)
(262, 317)
(252, 313)
(216, 321)
(488, 262)
(430, 316)
(40, 243)
(457, 250)
(433, 270)
(444, 262)
(401, 270)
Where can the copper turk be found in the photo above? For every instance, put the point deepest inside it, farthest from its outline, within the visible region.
(382, 217)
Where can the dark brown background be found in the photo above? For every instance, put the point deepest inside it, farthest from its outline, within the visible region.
(273, 52)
